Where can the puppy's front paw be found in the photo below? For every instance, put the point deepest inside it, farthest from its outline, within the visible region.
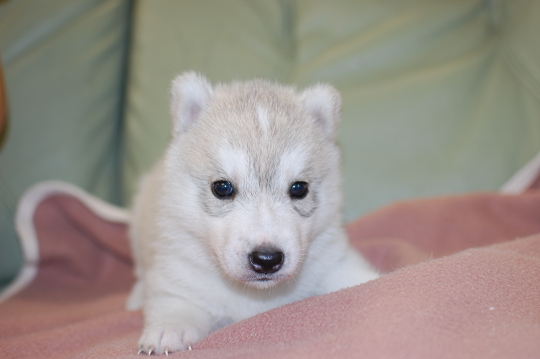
(165, 340)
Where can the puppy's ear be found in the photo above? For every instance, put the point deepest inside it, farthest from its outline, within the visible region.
(189, 96)
(323, 103)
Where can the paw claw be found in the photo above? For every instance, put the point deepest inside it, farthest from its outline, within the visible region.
(159, 341)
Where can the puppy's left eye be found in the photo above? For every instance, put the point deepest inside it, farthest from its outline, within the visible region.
(223, 189)
(298, 190)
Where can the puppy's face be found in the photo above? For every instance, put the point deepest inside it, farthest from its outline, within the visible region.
(265, 178)
(260, 214)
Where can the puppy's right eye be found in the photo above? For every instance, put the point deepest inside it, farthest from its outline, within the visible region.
(222, 189)
(298, 190)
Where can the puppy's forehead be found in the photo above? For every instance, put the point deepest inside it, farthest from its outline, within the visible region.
(241, 164)
(262, 117)
(232, 162)
(257, 107)
(257, 129)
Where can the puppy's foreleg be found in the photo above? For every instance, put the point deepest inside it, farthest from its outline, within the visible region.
(172, 324)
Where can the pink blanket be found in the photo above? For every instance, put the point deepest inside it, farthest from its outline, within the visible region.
(463, 282)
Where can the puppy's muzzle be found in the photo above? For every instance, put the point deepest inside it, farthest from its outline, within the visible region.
(266, 260)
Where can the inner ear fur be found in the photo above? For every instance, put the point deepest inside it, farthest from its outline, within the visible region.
(323, 103)
(189, 95)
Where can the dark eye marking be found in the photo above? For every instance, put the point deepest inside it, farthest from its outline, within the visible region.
(298, 190)
(223, 189)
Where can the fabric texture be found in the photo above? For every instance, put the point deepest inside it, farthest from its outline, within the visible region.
(462, 281)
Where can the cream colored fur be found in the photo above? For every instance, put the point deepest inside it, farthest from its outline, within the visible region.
(191, 248)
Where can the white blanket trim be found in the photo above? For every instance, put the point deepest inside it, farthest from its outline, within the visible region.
(524, 178)
(24, 224)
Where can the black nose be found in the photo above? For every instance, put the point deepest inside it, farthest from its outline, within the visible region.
(266, 260)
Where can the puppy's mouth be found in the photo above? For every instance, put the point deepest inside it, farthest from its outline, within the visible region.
(264, 281)
(267, 278)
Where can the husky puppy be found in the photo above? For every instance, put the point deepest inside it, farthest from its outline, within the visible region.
(243, 212)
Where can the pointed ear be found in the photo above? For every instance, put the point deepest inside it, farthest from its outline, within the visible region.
(323, 103)
(189, 96)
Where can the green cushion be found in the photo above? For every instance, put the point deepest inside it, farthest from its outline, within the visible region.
(63, 65)
(439, 97)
